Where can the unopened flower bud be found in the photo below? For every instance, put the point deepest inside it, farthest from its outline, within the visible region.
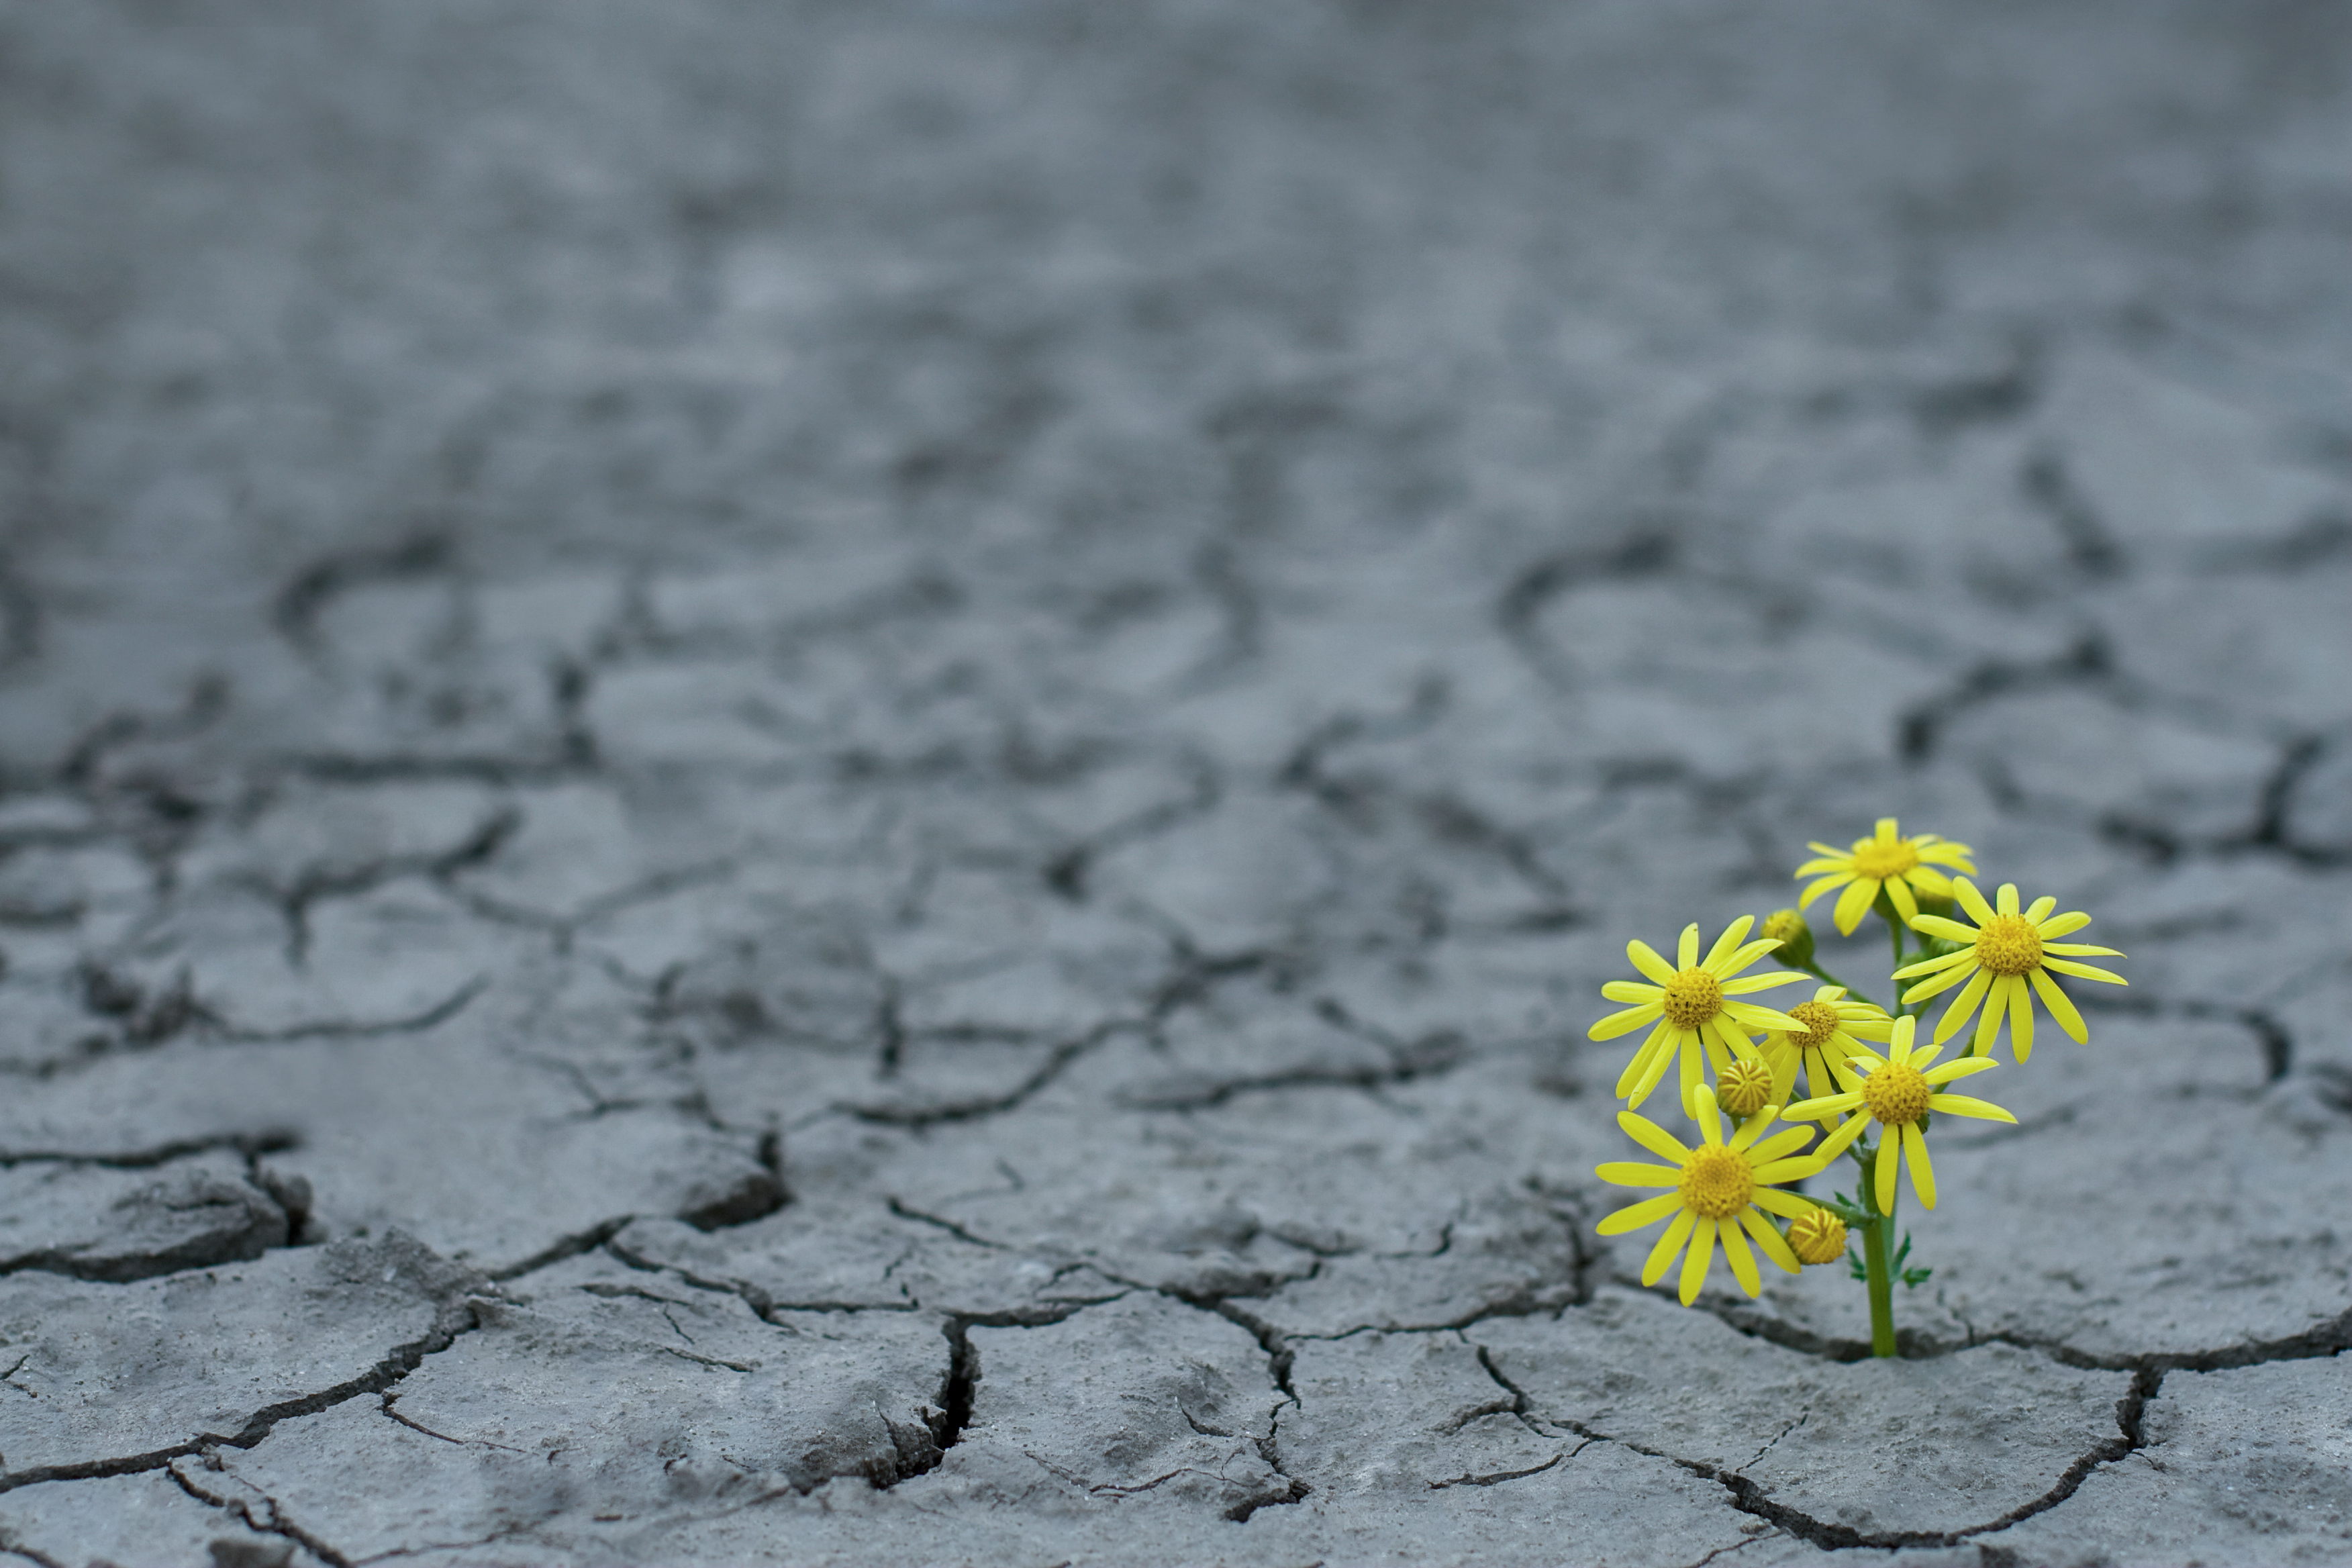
(1745, 1087)
(1817, 1237)
(1796, 938)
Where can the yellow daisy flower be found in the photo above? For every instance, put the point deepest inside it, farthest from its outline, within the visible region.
(1834, 1025)
(1896, 1090)
(1998, 956)
(1692, 1009)
(1903, 867)
(1715, 1184)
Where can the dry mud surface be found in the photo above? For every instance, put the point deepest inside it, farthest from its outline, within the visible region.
(845, 783)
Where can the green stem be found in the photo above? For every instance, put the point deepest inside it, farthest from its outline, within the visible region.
(1823, 976)
(1894, 935)
(1878, 1262)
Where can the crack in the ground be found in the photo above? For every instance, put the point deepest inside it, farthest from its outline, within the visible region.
(423, 1021)
(261, 1512)
(1919, 729)
(274, 1140)
(1496, 1478)
(460, 1313)
(317, 883)
(304, 599)
(2270, 1032)
(1518, 613)
(1751, 1498)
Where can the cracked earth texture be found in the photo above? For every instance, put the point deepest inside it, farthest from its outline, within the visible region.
(845, 783)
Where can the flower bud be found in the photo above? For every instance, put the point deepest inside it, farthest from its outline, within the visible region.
(1745, 1087)
(1796, 938)
(1817, 1237)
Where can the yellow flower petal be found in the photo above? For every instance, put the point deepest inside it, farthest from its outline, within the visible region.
(1743, 1262)
(1733, 935)
(1787, 1205)
(2039, 910)
(1634, 991)
(1757, 1016)
(1749, 983)
(1950, 931)
(1687, 948)
(1847, 1131)
(1763, 1151)
(1923, 1170)
(1630, 1082)
(1995, 1007)
(1929, 881)
(1854, 903)
(1657, 1058)
(2063, 925)
(2062, 1007)
(1937, 964)
(1626, 1022)
(1768, 1241)
(1900, 893)
(1882, 1171)
(1960, 1067)
(1839, 880)
(1696, 1261)
(1936, 984)
(1972, 900)
(2084, 971)
(1645, 958)
(1724, 968)
(1649, 1211)
(1963, 1005)
(1662, 1255)
(2082, 950)
(1633, 1174)
(1653, 1137)
(1962, 1105)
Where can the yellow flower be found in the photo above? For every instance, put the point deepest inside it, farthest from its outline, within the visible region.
(1715, 1184)
(1691, 1008)
(1897, 1089)
(1903, 866)
(1817, 1238)
(1832, 1027)
(1998, 957)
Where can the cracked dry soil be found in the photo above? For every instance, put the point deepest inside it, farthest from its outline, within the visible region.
(844, 784)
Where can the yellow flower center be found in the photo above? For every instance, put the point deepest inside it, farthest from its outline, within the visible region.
(1817, 1236)
(1896, 1094)
(1820, 1021)
(1693, 997)
(2007, 945)
(1880, 861)
(1716, 1182)
(1744, 1088)
(1780, 925)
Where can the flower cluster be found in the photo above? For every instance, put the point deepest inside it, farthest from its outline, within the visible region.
(1870, 1104)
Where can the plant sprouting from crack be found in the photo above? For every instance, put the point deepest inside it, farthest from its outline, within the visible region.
(1875, 1105)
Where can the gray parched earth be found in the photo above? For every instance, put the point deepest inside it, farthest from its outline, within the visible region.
(845, 782)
